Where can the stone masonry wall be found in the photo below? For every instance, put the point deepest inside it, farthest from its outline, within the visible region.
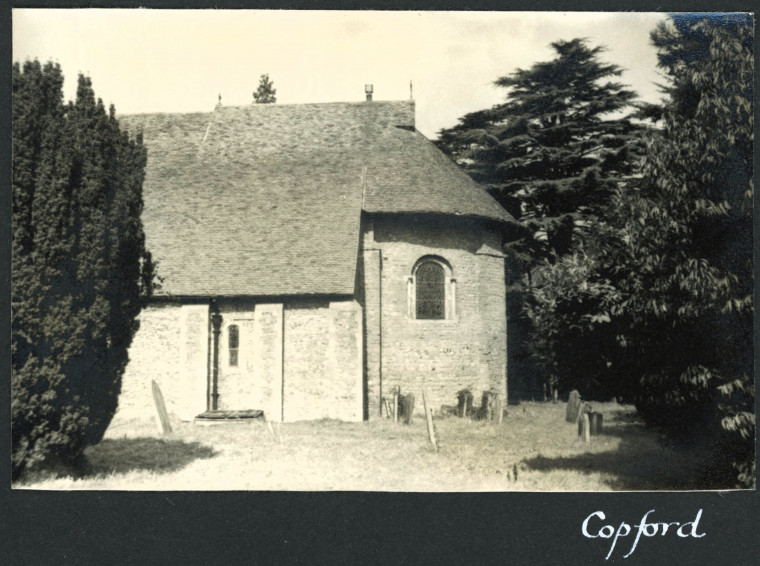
(322, 361)
(326, 358)
(170, 348)
(305, 360)
(344, 361)
(297, 361)
(468, 350)
(370, 297)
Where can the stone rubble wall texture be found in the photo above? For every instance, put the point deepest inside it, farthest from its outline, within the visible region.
(312, 359)
(344, 361)
(296, 361)
(369, 272)
(266, 373)
(443, 356)
(256, 381)
(170, 347)
(305, 360)
(323, 361)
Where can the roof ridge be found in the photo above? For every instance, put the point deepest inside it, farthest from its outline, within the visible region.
(331, 103)
(273, 105)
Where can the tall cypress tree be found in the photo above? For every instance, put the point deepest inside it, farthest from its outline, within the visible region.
(80, 268)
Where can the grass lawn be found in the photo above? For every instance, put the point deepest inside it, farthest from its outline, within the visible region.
(533, 438)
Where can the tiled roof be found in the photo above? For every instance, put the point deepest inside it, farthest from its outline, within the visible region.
(266, 199)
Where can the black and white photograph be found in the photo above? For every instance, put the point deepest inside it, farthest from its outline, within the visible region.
(384, 251)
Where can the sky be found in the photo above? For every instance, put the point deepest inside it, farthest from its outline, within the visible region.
(145, 60)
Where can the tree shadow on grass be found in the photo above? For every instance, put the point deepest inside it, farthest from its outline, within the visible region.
(640, 462)
(623, 471)
(122, 455)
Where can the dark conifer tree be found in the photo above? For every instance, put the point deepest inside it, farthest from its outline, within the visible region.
(554, 151)
(265, 93)
(553, 154)
(80, 271)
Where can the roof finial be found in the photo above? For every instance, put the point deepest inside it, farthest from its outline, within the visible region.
(219, 103)
(411, 96)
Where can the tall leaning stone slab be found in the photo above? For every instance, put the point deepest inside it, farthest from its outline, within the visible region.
(573, 405)
(345, 364)
(267, 356)
(189, 399)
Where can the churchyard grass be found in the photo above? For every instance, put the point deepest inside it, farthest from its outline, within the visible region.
(534, 440)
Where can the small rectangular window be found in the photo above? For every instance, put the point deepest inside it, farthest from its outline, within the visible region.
(233, 341)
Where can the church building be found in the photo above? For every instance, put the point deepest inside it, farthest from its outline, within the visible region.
(312, 259)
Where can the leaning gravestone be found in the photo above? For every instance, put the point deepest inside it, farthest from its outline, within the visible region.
(429, 418)
(162, 416)
(573, 406)
(499, 411)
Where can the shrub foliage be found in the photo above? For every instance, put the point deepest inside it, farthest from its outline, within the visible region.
(80, 271)
(689, 240)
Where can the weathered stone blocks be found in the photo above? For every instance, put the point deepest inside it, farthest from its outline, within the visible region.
(468, 349)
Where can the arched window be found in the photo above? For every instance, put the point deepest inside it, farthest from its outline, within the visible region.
(430, 291)
(233, 342)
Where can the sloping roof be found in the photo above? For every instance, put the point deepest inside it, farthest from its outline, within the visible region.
(266, 199)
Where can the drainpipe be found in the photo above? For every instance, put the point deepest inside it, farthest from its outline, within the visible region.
(380, 326)
(380, 329)
(216, 327)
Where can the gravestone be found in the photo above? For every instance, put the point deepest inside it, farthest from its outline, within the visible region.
(596, 423)
(573, 405)
(406, 407)
(164, 427)
(465, 403)
(429, 419)
(584, 427)
(585, 409)
(488, 406)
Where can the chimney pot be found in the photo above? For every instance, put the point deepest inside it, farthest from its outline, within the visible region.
(368, 91)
